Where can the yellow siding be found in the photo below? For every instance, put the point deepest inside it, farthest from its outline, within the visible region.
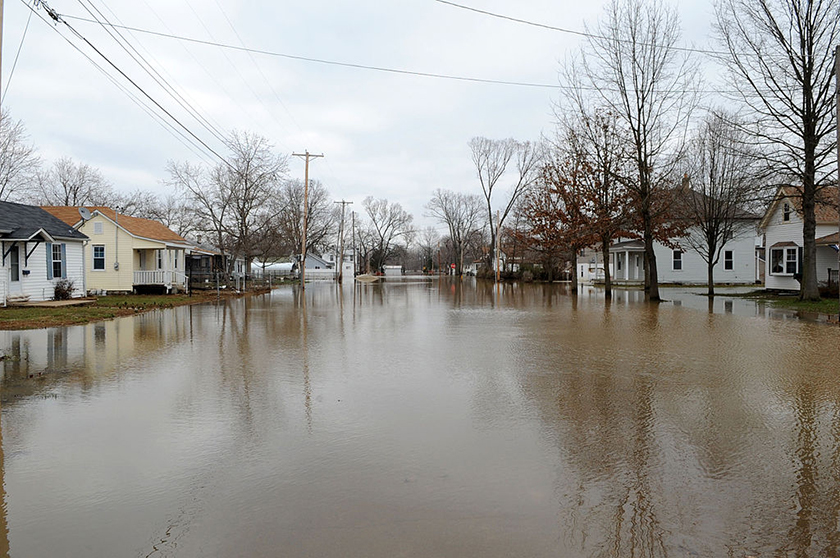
(121, 245)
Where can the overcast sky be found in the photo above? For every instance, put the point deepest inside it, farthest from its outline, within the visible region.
(382, 134)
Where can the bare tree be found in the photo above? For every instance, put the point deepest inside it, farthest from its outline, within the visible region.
(780, 60)
(321, 215)
(253, 176)
(463, 214)
(633, 63)
(208, 195)
(492, 159)
(177, 212)
(389, 224)
(723, 183)
(231, 198)
(19, 162)
(427, 245)
(69, 183)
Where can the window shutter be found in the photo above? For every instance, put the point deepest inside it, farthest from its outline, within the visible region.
(64, 261)
(49, 260)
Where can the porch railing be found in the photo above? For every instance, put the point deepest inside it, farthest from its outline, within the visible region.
(159, 277)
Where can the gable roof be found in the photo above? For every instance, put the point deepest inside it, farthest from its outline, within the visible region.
(137, 226)
(21, 222)
(825, 209)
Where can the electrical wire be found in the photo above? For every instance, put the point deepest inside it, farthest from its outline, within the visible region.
(166, 125)
(556, 87)
(14, 64)
(141, 61)
(573, 31)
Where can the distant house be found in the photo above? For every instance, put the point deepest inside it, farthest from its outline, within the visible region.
(38, 250)
(127, 253)
(783, 238)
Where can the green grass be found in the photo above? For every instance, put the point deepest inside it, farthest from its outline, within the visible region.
(142, 301)
(34, 317)
(824, 306)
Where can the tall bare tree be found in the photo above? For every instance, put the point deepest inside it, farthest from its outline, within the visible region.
(69, 183)
(427, 245)
(19, 161)
(780, 60)
(253, 175)
(634, 64)
(463, 214)
(492, 159)
(390, 225)
(723, 184)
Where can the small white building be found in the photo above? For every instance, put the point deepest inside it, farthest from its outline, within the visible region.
(783, 239)
(38, 251)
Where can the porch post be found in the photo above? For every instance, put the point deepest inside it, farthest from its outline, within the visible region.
(626, 265)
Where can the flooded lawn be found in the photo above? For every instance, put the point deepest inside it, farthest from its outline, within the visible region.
(424, 419)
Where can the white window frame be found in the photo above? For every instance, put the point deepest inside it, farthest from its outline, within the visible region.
(728, 260)
(677, 260)
(785, 258)
(57, 247)
(93, 251)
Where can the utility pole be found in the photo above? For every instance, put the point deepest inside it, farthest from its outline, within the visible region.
(837, 116)
(341, 241)
(307, 156)
(498, 245)
(355, 256)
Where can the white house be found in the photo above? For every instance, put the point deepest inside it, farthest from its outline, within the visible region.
(38, 250)
(783, 238)
(680, 263)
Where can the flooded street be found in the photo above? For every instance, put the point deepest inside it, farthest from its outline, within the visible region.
(425, 419)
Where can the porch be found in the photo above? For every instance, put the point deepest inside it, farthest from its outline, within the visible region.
(159, 269)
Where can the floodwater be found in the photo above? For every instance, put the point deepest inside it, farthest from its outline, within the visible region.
(424, 419)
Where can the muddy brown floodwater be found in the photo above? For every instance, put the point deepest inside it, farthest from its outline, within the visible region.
(424, 419)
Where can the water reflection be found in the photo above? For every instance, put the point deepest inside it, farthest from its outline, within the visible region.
(424, 418)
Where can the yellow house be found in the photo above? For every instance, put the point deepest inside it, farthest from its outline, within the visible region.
(127, 253)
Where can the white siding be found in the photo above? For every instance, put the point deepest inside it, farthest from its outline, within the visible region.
(694, 269)
(35, 283)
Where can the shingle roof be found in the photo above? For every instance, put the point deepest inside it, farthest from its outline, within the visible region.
(145, 228)
(825, 209)
(25, 220)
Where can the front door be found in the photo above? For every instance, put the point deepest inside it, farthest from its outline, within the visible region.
(14, 271)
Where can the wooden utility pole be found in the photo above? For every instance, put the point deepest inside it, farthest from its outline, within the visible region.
(498, 245)
(341, 241)
(837, 116)
(355, 256)
(307, 156)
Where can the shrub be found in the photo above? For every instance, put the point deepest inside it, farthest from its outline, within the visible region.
(64, 289)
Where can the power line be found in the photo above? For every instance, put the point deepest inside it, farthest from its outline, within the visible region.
(571, 31)
(328, 62)
(166, 125)
(60, 19)
(14, 64)
(152, 72)
(399, 71)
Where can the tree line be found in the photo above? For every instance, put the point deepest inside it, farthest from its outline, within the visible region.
(639, 151)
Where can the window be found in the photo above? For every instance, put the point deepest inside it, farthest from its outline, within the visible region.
(160, 259)
(618, 262)
(57, 260)
(98, 257)
(784, 261)
(786, 213)
(728, 260)
(677, 260)
(175, 258)
(97, 227)
(14, 263)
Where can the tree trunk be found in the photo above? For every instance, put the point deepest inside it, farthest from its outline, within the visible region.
(808, 289)
(651, 276)
(574, 271)
(710, 269)
(605, 249)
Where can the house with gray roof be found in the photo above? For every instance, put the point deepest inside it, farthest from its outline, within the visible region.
(38, 250)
